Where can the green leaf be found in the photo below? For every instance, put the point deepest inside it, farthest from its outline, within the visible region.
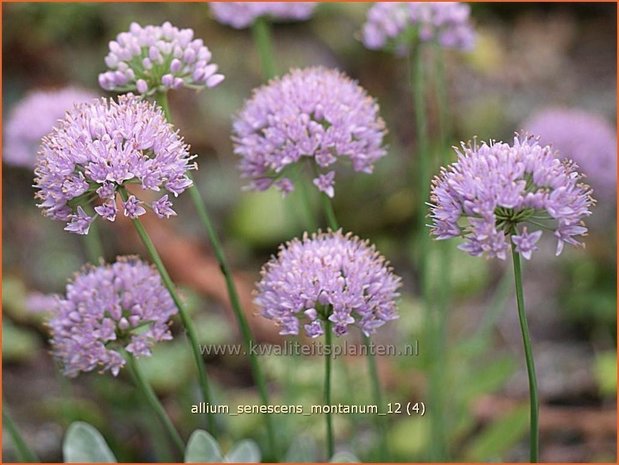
(202, 447)
(83, 443)
(344, 457)
(498, 437)
(246, 451)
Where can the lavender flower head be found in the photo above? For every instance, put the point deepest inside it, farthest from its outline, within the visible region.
(105, 145)
(314, 114)
(498, 193)
(240, 15)
(32, 118)
(158, 58)
(328, 275)
(586, 138)
(108, 309)
(396, 24)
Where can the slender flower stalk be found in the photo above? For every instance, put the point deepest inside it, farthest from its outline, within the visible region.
(186, 320)
(153, 401)
(377, 394)
(84, 164)
(528, 354)
(261, 30)
(24, 452)
(326, 283)
(498, 196)
(93, 245)
(432, 322)
(439, 340)
(324, 133)
(235, 302)
(370, 356)
(410, 28)
(327, 390)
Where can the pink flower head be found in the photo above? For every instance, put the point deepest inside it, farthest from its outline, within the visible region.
(102, 146)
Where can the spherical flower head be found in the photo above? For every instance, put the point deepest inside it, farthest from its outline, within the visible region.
(584, 137)
(314, 114)
(395, 25)
(328, 276)
(109, 309)
(240, 15)
(32, 118)
(496, 194)
(101, 147)
(158, 58)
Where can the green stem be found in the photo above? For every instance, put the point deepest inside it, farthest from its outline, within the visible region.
(528, 354)
(305, 199)
(434, 324)
(378, 400)
(261, 30)
(329, 212)
(441, 99)
(152, 399)
(432, 328)
(440, 402)
(327, 393)
(186, 320)
(236, 308)
(421, 132)
(371, 358)
(24, 453)
(162, 100)
(194, 193)
(92, 240)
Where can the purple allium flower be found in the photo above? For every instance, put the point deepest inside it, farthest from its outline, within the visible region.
(163, 207)
(498, 190)
(316, 114)
(584, 137)
(37, 302)
(157, 58)
(108, 309)
(240, 15)
(328, 275)
(34, 117)
(101, 146)
(397, 24)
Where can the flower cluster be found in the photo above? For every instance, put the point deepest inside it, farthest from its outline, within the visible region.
(109, 309)
(313, 113)
(328, 276)
(102, 146)
(157, 58)
(34, 117)
(586, 138)
(240, 15)
(498, 192)
(396, 24)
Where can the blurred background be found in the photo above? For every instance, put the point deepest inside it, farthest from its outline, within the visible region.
(527, 57)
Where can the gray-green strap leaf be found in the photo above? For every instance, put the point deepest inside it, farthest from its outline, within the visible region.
(245, 451)
(202, 448)
(83, 443)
